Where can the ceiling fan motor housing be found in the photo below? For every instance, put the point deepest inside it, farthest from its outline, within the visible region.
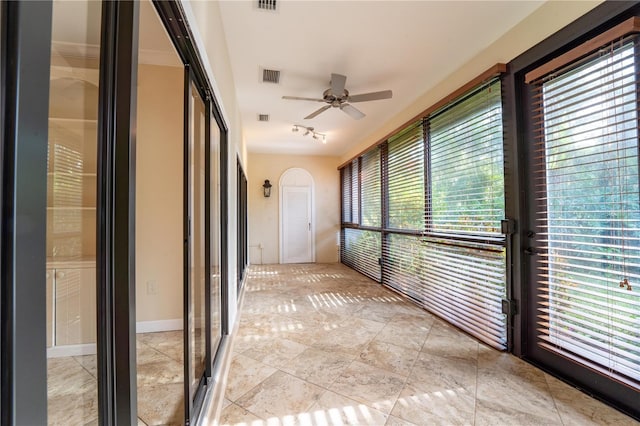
(334, 100)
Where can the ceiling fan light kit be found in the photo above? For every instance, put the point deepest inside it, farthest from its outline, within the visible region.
(337, 96)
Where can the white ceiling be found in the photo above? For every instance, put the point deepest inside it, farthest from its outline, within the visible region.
(405, 46)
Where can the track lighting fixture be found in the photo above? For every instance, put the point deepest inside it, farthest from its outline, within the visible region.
(309, 131)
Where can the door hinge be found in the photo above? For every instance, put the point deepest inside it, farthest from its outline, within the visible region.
(509, 307)
(508, 226)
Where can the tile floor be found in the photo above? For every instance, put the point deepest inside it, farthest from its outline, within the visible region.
(324, 345)
(72, 384)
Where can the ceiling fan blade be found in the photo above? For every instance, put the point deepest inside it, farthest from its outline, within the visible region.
(373, 96)
(337, 84)
(317, 112)
(352, 111)
(297, 98)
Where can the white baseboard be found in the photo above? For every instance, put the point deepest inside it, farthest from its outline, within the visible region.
(160, 325)
(90, 348)
(71, 350)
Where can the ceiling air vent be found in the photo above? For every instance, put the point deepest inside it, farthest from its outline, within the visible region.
(267, 4)
(270, 76)
(263, 117)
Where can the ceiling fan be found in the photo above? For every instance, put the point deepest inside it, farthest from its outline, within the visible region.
(338, 97)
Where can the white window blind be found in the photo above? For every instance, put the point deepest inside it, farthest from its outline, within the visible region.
(355, 191)
(439, 203)
(586, 123)
(370, 198)
(466, 163)
(361, 251)
(345, 174)
(405, 174)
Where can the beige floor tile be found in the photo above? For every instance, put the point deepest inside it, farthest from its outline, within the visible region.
(161, 371)
(452, 406)
(282, 396)
(234, 415)
(432, 373)
(276, 352)
(161, 404)
(390, 357)
(493, 412)
(514, 396)
(577, 408)
(369, 385)
(347, 342)
(89, 363)
(74, 408)
(245, 374)
(410, 337)
(396, 421)
(334, 409)
(170, 343)
(447, 341)
(317, 366)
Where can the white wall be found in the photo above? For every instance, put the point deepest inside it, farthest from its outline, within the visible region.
(545, 21)
(264, 212)
(208, 30)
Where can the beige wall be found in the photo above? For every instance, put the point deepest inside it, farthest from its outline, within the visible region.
(264, 212)
(159, 193)
(208, 30)
(546, 20)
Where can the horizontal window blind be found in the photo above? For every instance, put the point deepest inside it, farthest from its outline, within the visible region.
(361, 250)
(586, 122)
(355, 191)
(370, 198)
(345, 180)
(402, 264)
(465, 285)
(436, 202)
(466, 164)
(405, 174)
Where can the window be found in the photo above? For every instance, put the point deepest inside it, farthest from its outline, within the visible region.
(431, 201)
(466, 165)
(370, 201)
(588, 238)
(463, 256)
(242, 229)
(405, 173)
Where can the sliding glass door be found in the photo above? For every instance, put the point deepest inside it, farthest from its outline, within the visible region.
(71, 213)
(195, 272)
(585, 224)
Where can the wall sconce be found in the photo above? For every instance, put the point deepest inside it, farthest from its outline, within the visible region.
(309, 131)
(266, 188)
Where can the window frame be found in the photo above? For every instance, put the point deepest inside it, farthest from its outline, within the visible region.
(517, 158)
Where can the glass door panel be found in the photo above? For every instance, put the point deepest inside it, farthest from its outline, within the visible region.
(71, 213)
(586, 245)
(214, 249)
(159, 229)
(197, 273)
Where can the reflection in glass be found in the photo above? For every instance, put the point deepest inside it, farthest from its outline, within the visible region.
(159, 225)
(197, 268)
(216, 298)
(71, 213)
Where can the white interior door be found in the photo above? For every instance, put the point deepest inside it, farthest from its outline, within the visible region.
(297, 244)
